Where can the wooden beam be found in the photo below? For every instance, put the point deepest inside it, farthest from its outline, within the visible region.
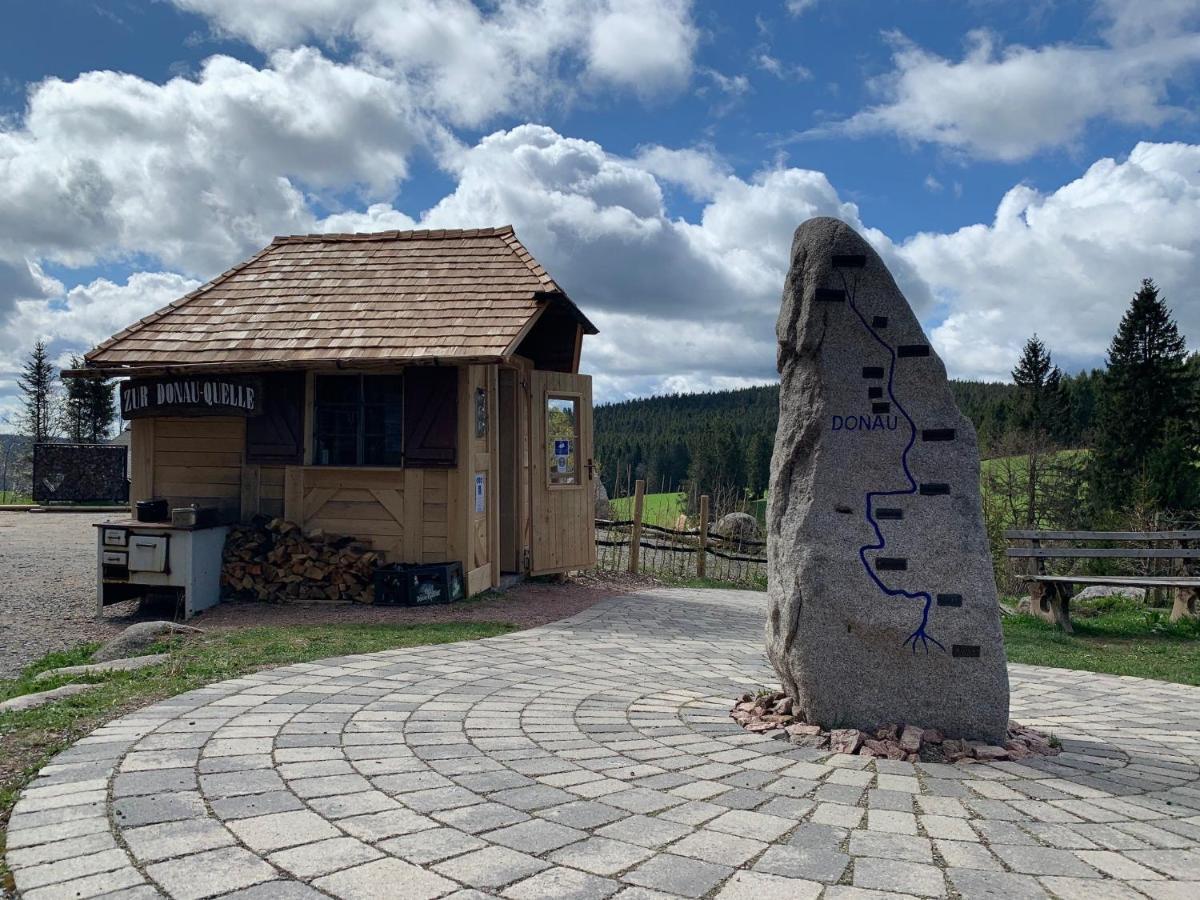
(251, 491)
(1025, 535)
(293, 494)
(1100, 553)
(141, 474)
(578, 352)
(414, 514)
(494, 473)
(635, 533)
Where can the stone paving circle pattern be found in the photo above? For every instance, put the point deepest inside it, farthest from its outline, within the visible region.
(595, 758)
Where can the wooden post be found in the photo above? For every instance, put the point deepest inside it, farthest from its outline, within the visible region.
(251, 491)
(701, 556)
(635, 533)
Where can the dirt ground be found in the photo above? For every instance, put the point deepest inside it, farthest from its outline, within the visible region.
(48, 586)
(48, 595)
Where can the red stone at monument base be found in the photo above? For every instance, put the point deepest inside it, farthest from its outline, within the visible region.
(772, 713)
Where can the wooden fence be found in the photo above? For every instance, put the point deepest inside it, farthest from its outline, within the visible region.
(632, 545)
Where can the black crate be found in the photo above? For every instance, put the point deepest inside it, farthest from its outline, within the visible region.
(391, 587)
(419, 585)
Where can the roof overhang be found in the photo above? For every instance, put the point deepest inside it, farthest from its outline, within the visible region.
(279, 365)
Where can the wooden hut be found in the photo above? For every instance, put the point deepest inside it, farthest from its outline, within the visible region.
(418, 389)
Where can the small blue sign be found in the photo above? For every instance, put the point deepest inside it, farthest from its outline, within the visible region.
(562, 448)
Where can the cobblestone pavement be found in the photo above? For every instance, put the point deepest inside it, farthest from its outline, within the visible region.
(593, 757)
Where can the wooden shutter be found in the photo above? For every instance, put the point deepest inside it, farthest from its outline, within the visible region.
(430, 416)
(277, 436)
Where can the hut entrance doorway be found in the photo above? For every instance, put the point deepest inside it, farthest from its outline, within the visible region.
(563, 489)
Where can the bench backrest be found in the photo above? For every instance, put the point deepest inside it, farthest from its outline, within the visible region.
(1036, 551)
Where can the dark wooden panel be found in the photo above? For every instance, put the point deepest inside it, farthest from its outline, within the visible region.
(430, 416)
(277, 436)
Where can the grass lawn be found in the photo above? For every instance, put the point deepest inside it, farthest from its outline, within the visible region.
(12, 497)
(28, 739)
(1114, 636)
(657, 509)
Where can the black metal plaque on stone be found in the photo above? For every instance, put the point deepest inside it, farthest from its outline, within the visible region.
(207, 395)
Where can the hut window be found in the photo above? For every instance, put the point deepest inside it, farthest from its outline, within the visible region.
(562, 438)
(358, 420)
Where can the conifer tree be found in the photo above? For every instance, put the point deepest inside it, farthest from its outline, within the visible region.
(39, 405)
(1147, 405)
(1040, 401)
(1038, 414)
(758, 463)
(89, 410)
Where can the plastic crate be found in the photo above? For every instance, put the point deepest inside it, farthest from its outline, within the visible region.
(419, 585)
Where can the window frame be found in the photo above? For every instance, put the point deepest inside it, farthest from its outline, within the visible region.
(576, 398)
(359, 407)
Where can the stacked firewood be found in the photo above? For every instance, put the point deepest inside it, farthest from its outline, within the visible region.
(275, 561)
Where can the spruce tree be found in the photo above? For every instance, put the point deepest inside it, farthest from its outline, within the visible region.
(1040, 401)
(39, 405)
(1039, 418)
(758, 463)
(89, 410)
(1147, 403)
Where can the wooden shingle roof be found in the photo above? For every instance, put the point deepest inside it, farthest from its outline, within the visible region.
(346, 298)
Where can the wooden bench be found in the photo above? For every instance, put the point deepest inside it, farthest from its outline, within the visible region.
(1050, 595)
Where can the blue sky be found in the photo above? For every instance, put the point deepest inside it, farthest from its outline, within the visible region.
(1021, 166)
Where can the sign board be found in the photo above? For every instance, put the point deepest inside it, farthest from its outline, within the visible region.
(480, 492)
(209, 395)
(481, 412)
(80, 472)
(560, 463)
(562, 448)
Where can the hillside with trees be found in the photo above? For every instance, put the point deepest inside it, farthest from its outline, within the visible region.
(1109, 448)
(725, 437)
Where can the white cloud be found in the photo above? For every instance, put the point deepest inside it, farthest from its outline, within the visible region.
(687, 299)
(700, 172)
(377, 217)
(77, 319)
(646, 45)
(1134, 21)
(599, 223)
(1064, 264)
(772, 65)
(194, 173)
(472, 63)
(800, 7)
(681, 302)
(1010, 102)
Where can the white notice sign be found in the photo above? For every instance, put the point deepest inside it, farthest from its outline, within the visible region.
(480, 492)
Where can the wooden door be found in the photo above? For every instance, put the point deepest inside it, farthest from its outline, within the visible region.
(564, 527)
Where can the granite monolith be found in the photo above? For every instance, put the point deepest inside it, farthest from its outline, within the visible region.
(882, 599)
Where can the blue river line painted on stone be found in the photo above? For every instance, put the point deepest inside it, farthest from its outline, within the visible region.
(921, 633)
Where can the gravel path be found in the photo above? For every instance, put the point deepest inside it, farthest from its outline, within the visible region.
(48, 586)
(593, 758)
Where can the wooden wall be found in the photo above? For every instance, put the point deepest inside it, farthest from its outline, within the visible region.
(189, 460)
(478, 455)
(412, 515)
(402, 512)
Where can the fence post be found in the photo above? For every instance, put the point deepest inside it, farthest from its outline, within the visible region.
(635, 534)
(701, 557)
